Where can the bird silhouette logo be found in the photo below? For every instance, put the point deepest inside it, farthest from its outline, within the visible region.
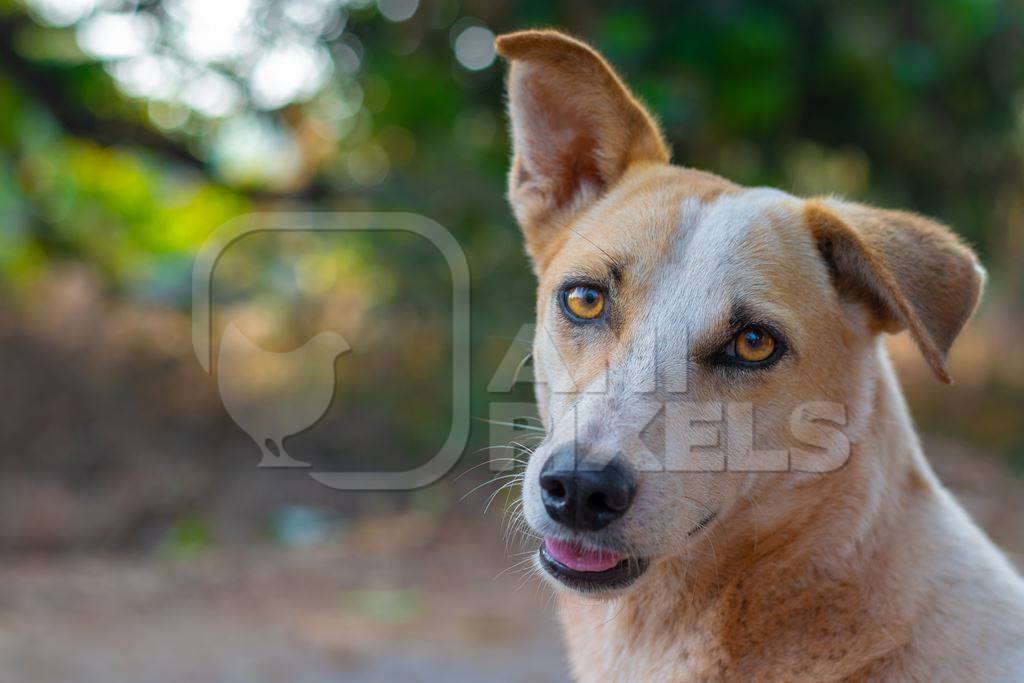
(274, 395)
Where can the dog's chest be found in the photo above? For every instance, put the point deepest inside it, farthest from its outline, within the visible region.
(608, 642)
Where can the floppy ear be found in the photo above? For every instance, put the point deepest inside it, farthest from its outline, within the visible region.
(913, 272)
(575, 131)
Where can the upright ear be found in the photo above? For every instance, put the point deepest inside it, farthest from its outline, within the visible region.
(913, 272)
(575, 131)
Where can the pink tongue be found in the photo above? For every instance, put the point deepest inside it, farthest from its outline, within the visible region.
(581, 559)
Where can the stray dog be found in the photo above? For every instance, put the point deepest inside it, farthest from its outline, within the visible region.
(731, 487)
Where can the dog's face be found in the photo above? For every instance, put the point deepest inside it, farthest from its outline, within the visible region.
(699, 344)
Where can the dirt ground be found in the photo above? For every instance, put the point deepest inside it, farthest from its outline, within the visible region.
(374, 604)
(405, 596)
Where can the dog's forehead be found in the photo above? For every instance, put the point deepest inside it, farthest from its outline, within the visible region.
(745, 247)
(746, 239)
(658, 230)
(731, 229)
(635, 223)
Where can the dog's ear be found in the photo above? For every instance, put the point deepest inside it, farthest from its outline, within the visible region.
(913, 272)
(575, 131)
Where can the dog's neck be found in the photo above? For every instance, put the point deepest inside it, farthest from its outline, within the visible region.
(772, 574)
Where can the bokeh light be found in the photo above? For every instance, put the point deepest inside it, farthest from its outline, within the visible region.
(474, 48)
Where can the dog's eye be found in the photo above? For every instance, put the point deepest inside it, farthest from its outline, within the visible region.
(753, 344)
(585, 303)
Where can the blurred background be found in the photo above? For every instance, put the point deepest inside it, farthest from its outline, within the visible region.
(140, 540)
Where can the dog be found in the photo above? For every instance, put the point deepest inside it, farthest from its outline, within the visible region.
(730, 487)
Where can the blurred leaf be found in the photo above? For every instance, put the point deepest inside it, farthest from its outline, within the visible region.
(187, 538)
(392, 606)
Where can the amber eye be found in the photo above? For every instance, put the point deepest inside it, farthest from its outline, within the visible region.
(584, 302)
(754, 344)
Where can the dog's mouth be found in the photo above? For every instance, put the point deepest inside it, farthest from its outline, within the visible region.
(586, 569)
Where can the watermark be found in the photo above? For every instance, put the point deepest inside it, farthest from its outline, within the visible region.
(273, 395)
(644, 406)
(697, 437)
(644, 409)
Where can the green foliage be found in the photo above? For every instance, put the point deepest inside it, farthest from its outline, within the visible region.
(924, 98)
(384, 605)
(917, 105)
(188, 537)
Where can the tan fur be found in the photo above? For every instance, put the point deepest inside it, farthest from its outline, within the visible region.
(893, 258)
(579, 130)
(865, 570)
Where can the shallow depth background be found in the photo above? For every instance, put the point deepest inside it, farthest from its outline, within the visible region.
(140, 540)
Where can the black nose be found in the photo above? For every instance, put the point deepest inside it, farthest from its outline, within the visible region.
(585, 498)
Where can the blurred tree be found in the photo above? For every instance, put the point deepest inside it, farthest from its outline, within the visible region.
(129, 129)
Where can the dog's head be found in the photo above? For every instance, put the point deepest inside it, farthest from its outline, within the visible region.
(698, 343)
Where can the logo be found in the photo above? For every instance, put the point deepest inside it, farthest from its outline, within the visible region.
(276, 394)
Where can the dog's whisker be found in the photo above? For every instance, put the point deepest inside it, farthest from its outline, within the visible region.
(754, 517)
(527, 575)
(611, 260)
(518, 528)
(511, 483)
(517, 450)
(714, 552)
(511, 446)
(508, 338)
(517, 425)
(612, 618)
(525, 449)
(508, 486)
(489, 461)
(493, 480)
(508, 504)
(515, 567)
